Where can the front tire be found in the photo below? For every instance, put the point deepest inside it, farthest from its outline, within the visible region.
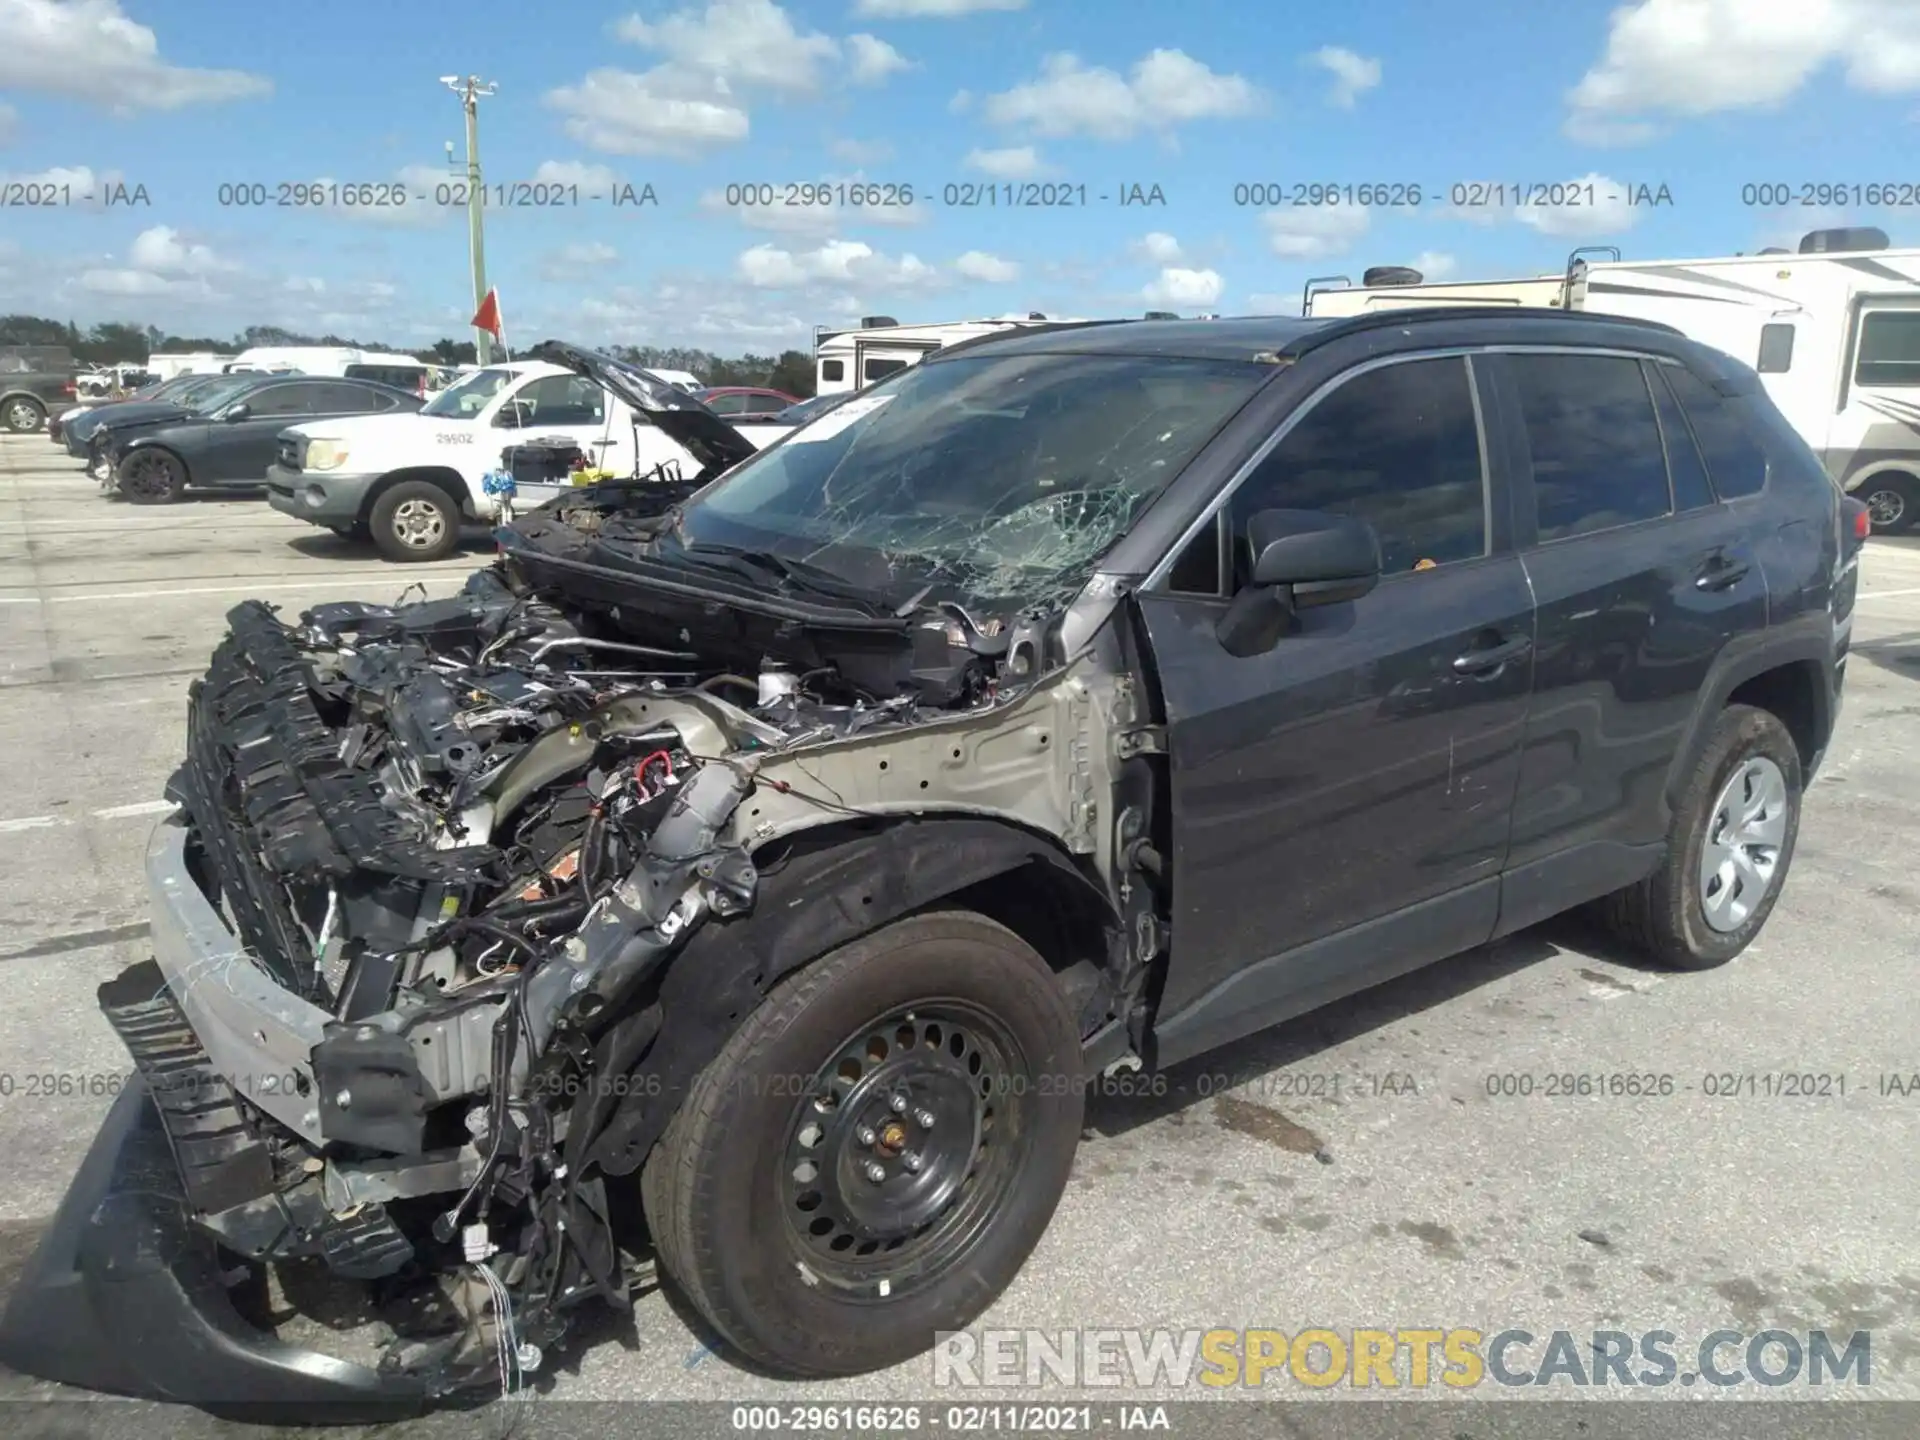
(833, 1223)
(23, 415)
(1893, 503)
(151, 477)
(1728, 850)
(414, 522)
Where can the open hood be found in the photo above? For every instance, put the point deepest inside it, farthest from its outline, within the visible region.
(684, 419)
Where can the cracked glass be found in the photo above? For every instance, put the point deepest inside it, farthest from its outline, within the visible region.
(995, 480)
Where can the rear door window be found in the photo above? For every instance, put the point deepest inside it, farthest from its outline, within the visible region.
(1598, 462)
(1691, 488)
(1889, 349)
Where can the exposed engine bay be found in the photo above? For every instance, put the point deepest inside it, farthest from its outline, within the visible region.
(471, 839)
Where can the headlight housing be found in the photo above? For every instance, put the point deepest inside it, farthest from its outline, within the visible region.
(324, 454)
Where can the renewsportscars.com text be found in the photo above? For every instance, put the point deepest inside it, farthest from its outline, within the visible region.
(1455, 1358)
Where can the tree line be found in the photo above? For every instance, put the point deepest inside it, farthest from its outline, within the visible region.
(113, 343)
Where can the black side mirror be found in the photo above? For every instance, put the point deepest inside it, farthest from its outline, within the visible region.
(1301, 559)
(511, 416)
(240, 411)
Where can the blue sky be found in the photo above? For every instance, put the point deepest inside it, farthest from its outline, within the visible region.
(689, 97)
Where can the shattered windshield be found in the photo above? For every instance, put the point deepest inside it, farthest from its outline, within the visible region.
(1002, 478)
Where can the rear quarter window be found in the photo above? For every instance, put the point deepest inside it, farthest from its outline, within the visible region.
(1729, 434)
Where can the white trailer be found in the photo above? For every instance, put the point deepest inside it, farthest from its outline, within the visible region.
(855, 359)
(168, 364)
(1833, 331)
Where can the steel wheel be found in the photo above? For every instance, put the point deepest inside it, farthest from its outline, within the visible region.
(419, 524)
(22, 416)
(892, 1164)
(1886, 507)
(1740, 854)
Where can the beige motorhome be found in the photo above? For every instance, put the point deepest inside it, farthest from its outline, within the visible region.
(1833, 330)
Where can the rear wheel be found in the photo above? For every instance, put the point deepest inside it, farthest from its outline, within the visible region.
(152, 477)
(1728, 849)
(415, 521)
(876, 1151)
(22, 414)
(1893, 502)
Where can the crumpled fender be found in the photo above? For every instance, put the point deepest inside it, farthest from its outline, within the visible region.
(806, 906)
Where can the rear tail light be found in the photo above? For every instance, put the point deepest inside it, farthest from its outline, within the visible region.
(1858, 519)
(1863, 523)
(69, 388)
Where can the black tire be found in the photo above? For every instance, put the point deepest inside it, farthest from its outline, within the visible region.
(415, 522)
(1893, 502)
(1665, 915)
(151, 477)
(727, 1202)
(22, 414)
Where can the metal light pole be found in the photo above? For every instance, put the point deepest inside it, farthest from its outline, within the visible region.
(470, 91)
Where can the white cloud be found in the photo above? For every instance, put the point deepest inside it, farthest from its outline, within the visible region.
(872, 60)
(577, 260)
(838, 262)
(81, 187)
(1185, 288)
(1353, 74)
(750, 43)
(931, 9)
(165, 251)
(990, 269)
(89, 50)
(1158, 247)
(1314, 232)
(713, 60)
(1165, 89)
(1668, 58)
(1434, 265)
(861, 152)
(665, 111)
(1017, 162)
(1600, 208)
(961, 102)
(591, 179)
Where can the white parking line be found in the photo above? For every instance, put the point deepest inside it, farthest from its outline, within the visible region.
(1886, 594)
(317, 583)
(112, 812)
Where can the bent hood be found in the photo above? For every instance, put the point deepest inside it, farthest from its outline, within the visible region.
(127, 412)
(678, 415)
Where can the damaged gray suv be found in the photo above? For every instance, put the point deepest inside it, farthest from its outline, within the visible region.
(753, 875)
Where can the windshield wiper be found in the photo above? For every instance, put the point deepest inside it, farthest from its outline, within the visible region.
(760, 564)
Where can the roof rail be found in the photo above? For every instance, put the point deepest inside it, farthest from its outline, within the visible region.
(1427, 315)
(1023, 329)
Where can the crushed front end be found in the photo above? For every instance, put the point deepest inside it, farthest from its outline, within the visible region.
(411, 921)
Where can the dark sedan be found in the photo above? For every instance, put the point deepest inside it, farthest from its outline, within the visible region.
(182, 395)
(231, 444)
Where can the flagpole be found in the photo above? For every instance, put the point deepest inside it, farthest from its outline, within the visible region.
(500, 318)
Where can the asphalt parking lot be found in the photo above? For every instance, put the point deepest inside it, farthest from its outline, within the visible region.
(1350, 1170)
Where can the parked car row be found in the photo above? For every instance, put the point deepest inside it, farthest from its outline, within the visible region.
(378, 461)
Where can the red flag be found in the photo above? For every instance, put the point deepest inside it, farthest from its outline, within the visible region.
(487, 317)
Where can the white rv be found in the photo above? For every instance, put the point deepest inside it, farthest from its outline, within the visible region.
(855, 359)
(303, 359)
(1833, 330)
(167, 364)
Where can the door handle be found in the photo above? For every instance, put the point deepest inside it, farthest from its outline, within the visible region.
(1492, 657)
(1722, 573)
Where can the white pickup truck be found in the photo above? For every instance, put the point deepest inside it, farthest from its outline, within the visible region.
(409, 483)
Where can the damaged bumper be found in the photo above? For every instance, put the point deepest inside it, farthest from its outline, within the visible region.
(128, 1296)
